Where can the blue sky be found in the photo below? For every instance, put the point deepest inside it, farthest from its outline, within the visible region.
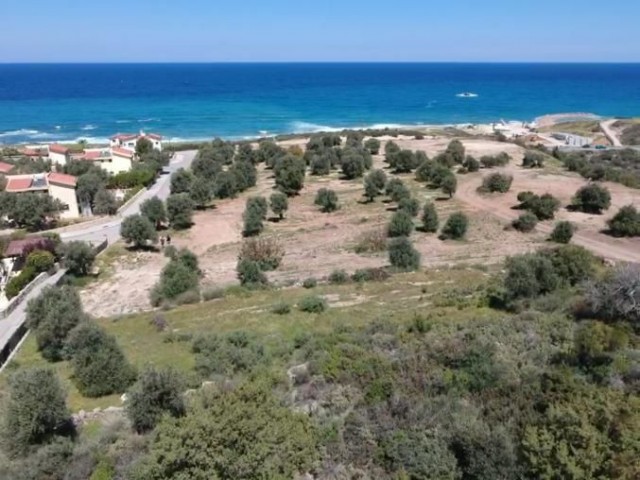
(312, 30)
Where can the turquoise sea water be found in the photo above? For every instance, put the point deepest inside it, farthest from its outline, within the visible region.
(45, 103)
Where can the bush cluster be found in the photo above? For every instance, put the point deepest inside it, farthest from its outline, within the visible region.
(496, 182)
(542, 206)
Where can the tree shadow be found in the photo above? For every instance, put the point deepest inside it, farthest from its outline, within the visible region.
(275, 219)
(143, 248)
(443, 198)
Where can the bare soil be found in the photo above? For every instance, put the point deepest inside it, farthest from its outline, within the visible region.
(317, 244)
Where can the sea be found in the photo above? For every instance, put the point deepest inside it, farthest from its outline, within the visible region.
(42, 103)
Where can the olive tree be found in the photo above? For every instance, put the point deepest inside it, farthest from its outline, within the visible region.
(430, 220)
(279, 204)
(290, 171)
(78, 258)
(35, 410)
(153, 208)
(403, 255)
(138, 230)
(592, 198)
(179, 210)
(327, 200)
(456, 226)
(155, 393)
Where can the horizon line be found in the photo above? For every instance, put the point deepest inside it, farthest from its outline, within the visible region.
(329, 62)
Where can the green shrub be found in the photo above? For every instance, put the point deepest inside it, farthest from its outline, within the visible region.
(409, 205)
(370, 275)
(78, 258)
(267, 252)
(449, 184)
(250, 274)
(496, 182)
(179, 211)
(281, 308)
(374, 184)
(155, 393)
(592, 198)
(40, 261)
(526, 222)
(252, 223)
(338, 277)
(17, 283)
(403, 255)
(189, 297)
(562, 232)
(471, 164)
(312, 304)
(99, 365)
(373, 145)
(397, 190)
(310, 283)
(625, 223)
(533, 159)
(327, 200)
(456, 226)
(544, 206)
(430, 220)
(400, 225)
(279, 204)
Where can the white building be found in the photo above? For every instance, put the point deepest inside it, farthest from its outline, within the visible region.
(129, 141)
(59, 154)
(58, 185)
(121, 161)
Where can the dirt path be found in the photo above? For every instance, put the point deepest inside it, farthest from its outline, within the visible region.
(589, 226)
(610, 134)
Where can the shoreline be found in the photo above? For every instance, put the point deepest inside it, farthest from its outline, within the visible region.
(486, 127)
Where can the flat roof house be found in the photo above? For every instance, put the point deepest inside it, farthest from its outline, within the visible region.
(58, 185)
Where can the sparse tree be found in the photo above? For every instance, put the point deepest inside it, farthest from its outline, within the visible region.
(279, 204)
(404, 161)
(430, 220)
(456, 226)
(252, 222)
(592, 198)
(250, 274)
(179, 210)
(471, 164)
(397, 190)
(181, 181)
(105, 203)
(353, 164)
(373, 145)
(290, 172)
(99, 365)
(526, 222)
(201, 192)
(400, 225)
(327, 200)
(496, 182)
(36, 410)
(78, 258)
(143, 146)
(51, 316)
(457, 151)
(225, 185)
(625, 223)
(138, 230)
(403, 255)
(154, 210)
(156, 393)
(409, 205)
(562, 232)
(374, 184)
(449, 185)
(259, 205)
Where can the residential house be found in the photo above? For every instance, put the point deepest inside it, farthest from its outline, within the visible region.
(121, 160)
(128, 140)
(59, 154)
(59, 186)
(5, 168)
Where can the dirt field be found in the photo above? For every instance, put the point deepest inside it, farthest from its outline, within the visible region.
(317, 243)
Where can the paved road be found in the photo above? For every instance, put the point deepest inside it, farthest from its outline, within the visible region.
(10, 327)
(610, 134)
(110, 228)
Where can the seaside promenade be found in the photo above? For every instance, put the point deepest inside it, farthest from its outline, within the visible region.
(12, 328)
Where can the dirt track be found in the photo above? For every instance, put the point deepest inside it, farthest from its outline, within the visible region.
(589, 227)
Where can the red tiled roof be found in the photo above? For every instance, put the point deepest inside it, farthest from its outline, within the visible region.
(57, 148)
(5, 167)
(18, 184)
(154, 136)
(17, 248)
(93, 155)
(32, 152)
(62, 179)
(124, 136)
(122, 152)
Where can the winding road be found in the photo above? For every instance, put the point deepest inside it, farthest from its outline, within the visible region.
(12, 331)
(609, 133)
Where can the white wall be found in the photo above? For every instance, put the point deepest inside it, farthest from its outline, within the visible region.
(66, 195)
(58, 158)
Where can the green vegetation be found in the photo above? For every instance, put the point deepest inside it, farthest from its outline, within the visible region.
(30, 210)
(78, 258)
(544, 207)
(266, 252)
(562, 232)
(620, 166)
(533, 159)
(279, 204)
(403, 255)
(179, 211)
(526, 222)
(327, 200)
(139, 231)
(592, 198)
(400, 225)
(430, 219)
(179, 276)
(154, 210)
(625, 223)
(456, 227)
(496, 182)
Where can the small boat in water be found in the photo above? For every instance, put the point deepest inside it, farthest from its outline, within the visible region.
(467, 95)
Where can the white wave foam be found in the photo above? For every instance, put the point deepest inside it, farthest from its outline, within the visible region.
(123, 121)
(91, 140)
(307, 127)
(467, 95)
(88, 127)
(23, 132)
(147, 120)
